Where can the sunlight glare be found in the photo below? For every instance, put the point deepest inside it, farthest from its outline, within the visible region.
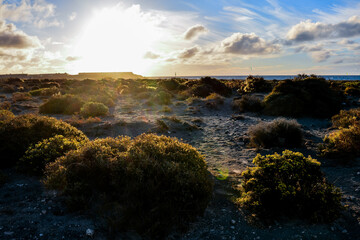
(116, 39)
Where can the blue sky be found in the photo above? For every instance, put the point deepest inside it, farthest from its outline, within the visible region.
(187, 37)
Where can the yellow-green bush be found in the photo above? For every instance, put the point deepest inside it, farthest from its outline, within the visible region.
(342, 143)
(44, 91)
(289, 185)
(311, 97)
(151, 183)
(62, 104)
(94, 109)
(18, 133)
(277, 133)
(6, 115)
(346, 118)
(247, 103)
(48, 150)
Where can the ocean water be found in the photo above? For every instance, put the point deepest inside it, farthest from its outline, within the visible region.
(279, 77)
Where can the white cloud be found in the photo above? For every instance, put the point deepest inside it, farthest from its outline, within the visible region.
(151, 55)
(39, 13)
(248, 44)
(194, 32)
(321, 56)
(188, 53)
(72, 16)
(308, 30)
(10, 37)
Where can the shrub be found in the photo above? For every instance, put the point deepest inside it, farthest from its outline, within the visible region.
(310, 97)
(38, 155)
(18, 133)
(352, 91)
(346, 118)
(161, 125)
(254, 84)
(278, 133)
(44, 92)
(94, 109)
(291, 185)
(206, 86)
(5, 105)
(162, 98)
(343, 143)
(169, 84)
(62, 104)
(247, 103)
(150, 184)
(20, 96)
(166, 109)
(6, 115)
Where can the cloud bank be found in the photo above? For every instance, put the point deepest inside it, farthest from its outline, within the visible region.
(10, 37)
(194, 32)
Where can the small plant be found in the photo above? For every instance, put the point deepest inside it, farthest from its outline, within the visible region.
(166, 109)
(48, 150)
(18, 133)
(289, 185)
(94, 109)
(62, 104)
(342, 143)
(278, 133)
(5, 105)
(214, 100)
(44, 92)
(346, 118)
(20, 96)
(247, 103)
(161, 125)
(254, 84)
(6, 115)
(151, 184)
(162, 98)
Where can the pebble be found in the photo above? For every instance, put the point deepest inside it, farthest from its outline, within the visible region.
(40, 235)
(90, 232)
(344, 231)
(332, 229)
(43, 211)
(8, 233)
(232, 227)
(233, 221)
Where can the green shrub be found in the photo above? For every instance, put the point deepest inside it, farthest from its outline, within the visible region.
(6, 115)
(206, 86)
(94, 109)
(247, 103)
(18, 133)
(161, 125)
(48, 150)
(343, 143)
(311, 97)
(62, 104)
(289, 185)
(150, 184)
(254, 84)
(44, 92)
(346, 118)
(352, 91)
(162, 98)
(278, 133)
(169, 84)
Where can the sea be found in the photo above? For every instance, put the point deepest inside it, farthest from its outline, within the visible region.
(272, 77)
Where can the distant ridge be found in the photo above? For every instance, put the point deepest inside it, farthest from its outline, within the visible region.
(80, 76)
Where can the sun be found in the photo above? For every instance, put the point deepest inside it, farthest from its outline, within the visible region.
(116, 40)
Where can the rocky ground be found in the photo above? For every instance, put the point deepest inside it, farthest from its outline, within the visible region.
(28, 211)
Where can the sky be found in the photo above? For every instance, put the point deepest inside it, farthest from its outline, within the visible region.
(183, 37)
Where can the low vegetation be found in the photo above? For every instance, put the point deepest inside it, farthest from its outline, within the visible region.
(247, 103)
(150, 184)
(344, 142)
(48, 150)
(278, 133)
(20, 132)
(94, 109)
(289, 185)
(309, 96)
(6, 115)
(256, 84)
(43, 92)
(62, 104)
